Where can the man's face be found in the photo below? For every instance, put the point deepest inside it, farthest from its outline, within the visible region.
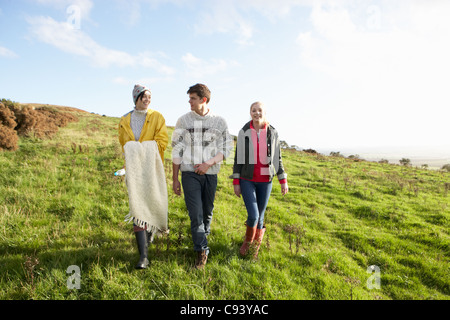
(196, 102)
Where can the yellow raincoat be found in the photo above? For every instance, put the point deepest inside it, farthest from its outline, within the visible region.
(154, 129)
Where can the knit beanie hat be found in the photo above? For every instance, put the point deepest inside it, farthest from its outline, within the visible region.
(138, 89)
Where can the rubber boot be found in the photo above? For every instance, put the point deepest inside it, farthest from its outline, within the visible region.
(142, 243)
(249, 236)
(258, 239)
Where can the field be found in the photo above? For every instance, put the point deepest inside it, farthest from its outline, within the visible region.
(62, 209)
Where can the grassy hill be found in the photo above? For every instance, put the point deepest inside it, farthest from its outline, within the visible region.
(61, 205)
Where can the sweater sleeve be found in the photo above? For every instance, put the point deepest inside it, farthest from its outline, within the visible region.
(225, 143)
(280, 172)
(178, 143)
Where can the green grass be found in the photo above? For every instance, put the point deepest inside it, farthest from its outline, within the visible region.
(61, 205)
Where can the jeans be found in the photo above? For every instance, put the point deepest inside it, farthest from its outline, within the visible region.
(256, 196)
(199, 193)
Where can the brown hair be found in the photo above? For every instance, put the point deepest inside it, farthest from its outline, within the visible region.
(201, 90)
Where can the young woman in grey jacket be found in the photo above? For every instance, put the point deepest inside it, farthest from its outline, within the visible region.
(257, 160)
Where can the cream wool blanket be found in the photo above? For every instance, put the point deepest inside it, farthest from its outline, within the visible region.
(147, 189)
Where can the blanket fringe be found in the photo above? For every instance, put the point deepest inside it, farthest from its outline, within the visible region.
(153, 230)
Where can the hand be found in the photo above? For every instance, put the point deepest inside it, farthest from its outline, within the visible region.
(201, 168)
(237, 190)
(284, 188)
(176, 186)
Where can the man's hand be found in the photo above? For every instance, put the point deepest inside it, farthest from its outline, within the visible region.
(202, 168)
(176, 186)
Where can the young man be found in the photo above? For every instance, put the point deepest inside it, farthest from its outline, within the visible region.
(200, 142)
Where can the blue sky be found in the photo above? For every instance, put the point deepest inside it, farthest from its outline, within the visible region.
(332, 74)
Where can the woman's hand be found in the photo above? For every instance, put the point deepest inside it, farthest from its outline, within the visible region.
(237, 190)
(284, 188)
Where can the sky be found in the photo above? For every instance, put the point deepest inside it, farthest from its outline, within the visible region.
(333, 75)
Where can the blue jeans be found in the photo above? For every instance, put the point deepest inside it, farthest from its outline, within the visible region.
(199, 193)
(256, 196)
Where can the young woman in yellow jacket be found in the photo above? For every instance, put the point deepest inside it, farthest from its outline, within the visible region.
(143, 124)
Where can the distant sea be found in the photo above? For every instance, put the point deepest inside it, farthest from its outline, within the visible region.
(434, 157)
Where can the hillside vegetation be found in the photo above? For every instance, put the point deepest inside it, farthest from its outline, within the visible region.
(61, 206)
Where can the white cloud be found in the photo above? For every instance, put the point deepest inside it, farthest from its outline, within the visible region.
(393, 58)
(85, 6)
(131, 11)
(225, 17)
(197, 67)
(236, 17)
(63, 36)
(394, 75)
(5, 52)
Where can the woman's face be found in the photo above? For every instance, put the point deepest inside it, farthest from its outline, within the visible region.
(257, 113)
(144, 101)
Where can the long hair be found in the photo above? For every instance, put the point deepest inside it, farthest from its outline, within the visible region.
(264, 118)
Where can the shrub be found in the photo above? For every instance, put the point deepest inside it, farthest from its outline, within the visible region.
(8, 137)
(405, 162)
(41, 122)
(446, 167)
(60, 119)
(7, 117)
(336, 154)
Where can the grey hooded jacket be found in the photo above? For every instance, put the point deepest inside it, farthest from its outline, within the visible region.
(243, 158)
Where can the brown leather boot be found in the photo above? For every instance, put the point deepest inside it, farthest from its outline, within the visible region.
(202, 257)
(249, 236)
(258, 239)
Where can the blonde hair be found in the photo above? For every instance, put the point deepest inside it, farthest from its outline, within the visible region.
(264, 119)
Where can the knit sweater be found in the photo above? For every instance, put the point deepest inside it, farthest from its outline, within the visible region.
(137, 122)
(197, 139)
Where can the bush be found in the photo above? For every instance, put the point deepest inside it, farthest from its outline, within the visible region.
(8, 136)
(405, 162)
(17, 120)
(60, 119)
(446, 167)
(7, 117)
(41, 122)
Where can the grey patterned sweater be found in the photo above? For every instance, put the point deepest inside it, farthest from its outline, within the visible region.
(137, 122)
(197, 139)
